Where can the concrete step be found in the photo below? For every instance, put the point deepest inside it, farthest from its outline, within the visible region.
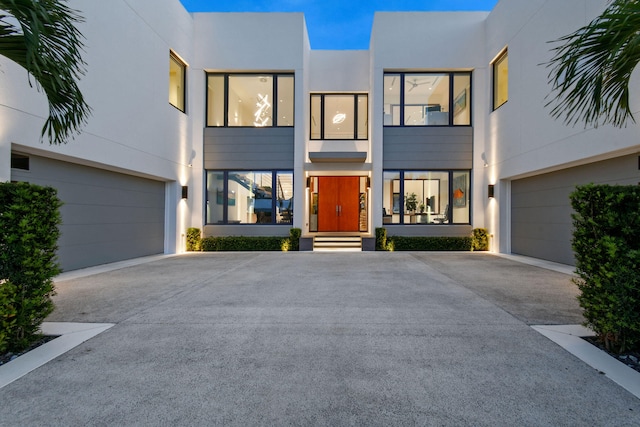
(337, 243)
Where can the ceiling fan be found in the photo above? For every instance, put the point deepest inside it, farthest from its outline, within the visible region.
(415, 84)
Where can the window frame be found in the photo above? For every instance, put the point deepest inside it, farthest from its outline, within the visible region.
(356, 117)
(448, 221)
(452, 96)
(495, 79)
(274, 109)
(225, 191)
(173, 57)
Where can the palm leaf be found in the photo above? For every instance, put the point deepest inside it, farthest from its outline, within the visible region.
(40, 35)
(590, 70)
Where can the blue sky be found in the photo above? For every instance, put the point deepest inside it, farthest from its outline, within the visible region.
(336, 24)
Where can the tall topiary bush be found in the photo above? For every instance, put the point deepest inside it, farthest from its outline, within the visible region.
(294, 239)
(381, 239)
(193, 239)
(606, 242)
(480, 239)
(29, 220)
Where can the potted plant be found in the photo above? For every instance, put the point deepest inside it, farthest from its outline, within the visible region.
(421, 208)
(411, 202)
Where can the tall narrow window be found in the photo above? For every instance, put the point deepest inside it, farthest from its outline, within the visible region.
(177, 79)
(501, 80)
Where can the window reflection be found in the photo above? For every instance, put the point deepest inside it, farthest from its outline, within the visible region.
(426, 197)
(249, 197)
(177, 77)
(343, 116)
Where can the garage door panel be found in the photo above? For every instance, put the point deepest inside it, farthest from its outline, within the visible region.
(541, 223)
(106, 216)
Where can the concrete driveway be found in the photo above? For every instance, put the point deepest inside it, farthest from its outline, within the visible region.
(329, 339)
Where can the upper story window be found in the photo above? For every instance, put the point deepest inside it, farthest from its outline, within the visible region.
(427, 99)
(500, 80)
(339, 116)
(250, 100)
(177, 80)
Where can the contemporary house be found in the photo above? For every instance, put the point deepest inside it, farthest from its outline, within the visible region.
(230, 122)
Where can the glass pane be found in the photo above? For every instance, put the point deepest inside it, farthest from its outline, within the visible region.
(284, 197)
(462, 99)
(250, 100)
(391, 199)
(392, 100)
(285, 100)
(316, 108)
(215, 100)
(176, 83)
(426, 99)
(250, 198)
(215, 197)
(363, 117)
(501, 81)
(339, 122)
(461, 197)
(426, 197)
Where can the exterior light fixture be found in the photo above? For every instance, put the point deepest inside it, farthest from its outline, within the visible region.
(185, 192)
(491, 191)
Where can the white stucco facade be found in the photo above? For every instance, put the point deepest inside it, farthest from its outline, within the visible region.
(134, 131)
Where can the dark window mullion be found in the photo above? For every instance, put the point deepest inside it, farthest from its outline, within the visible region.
(322, 117)
(225, 197)
(401, 99)
(401, 207)
(274, 195)
(451, 77)
(274, 101)
(226, 102)
(355, 117)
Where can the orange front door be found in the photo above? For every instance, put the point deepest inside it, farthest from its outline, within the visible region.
(338, 203)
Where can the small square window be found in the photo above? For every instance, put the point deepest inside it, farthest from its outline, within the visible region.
(177, 80)
(500, 80)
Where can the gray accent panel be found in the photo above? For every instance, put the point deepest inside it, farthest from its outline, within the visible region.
(337, 156)
(428, 147)
(248, 148)
(461, 230)
(247, 230)
(106, 216)
(541, 224)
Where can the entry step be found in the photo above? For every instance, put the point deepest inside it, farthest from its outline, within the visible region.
(337, 243)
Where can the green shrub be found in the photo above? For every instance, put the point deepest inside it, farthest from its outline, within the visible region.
(606, 242)
(244, 243)
(193, 239)
(294, 240)
(29, 219)
(381, 239)
(424, 243)
(480, 239)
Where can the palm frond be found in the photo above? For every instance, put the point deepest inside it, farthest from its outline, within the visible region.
(591, 68)
(47, 44)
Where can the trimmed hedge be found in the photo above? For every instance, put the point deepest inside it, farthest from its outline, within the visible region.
(606, 242)
(424, 243)
(245, 243)
(381, 239)
(29, 220)
(294, 239)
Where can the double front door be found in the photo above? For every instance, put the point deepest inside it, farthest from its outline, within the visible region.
(338, 203)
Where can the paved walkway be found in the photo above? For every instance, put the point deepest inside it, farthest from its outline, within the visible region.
(319, 339)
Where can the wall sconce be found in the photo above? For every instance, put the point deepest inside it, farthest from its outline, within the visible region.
(185, 192)
(491, 191)
(308, 181)
(368, 182)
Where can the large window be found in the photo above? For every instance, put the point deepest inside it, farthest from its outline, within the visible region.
(249, 197)
(177, 80)
(250, 100)
(426, 197)
(500, 80)
(339, 116)
(427, 99)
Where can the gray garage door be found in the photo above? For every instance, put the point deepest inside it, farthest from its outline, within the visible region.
(107, 216)
(541, 224)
